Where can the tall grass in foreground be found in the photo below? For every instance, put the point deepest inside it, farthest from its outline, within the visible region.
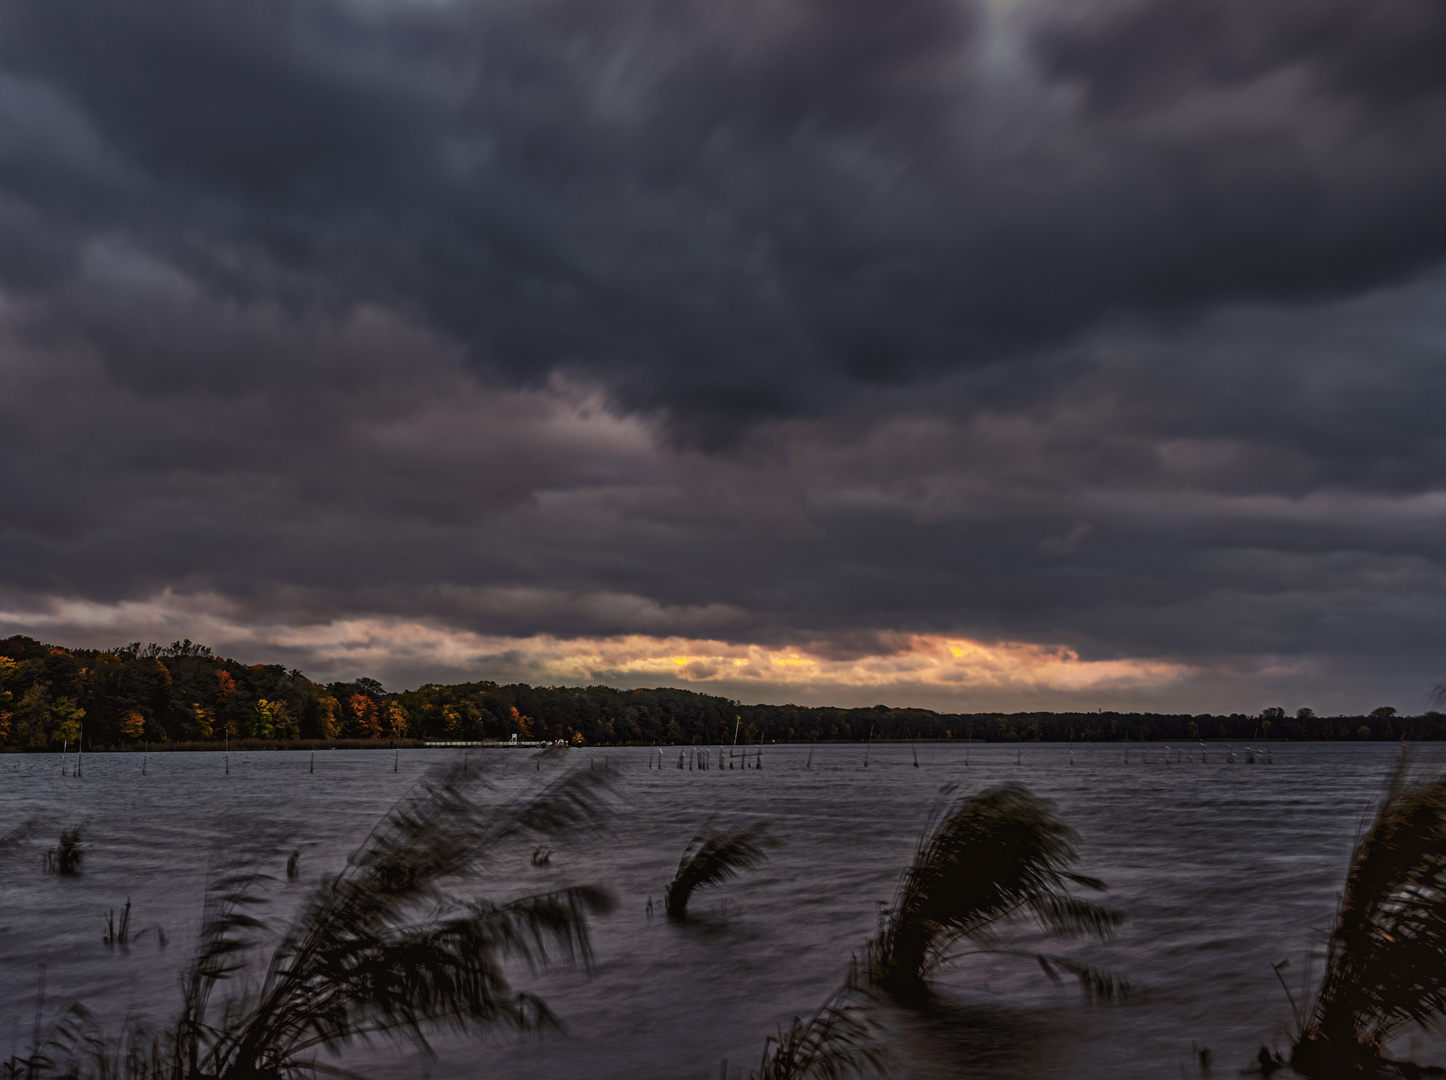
(713, 857)
(983, 861)
(1386, 958)
(988, 859)
(381, 949)
(836, 1042)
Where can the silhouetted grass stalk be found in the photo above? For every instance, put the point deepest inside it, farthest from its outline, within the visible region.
(989, 859)
(713, 857)
(379, 949)
(837, 1041)
(67, 855)
(1386, 957)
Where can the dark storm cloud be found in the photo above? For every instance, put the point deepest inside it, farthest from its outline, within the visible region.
(1135, 56)
(711, 208)
(556, 185)
(812, 324)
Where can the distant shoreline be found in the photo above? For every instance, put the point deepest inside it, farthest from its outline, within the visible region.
(271, 745)
(181, 696)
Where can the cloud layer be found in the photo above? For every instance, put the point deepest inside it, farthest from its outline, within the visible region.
(563, 339)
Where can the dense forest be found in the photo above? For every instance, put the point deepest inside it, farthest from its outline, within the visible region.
(182, 693)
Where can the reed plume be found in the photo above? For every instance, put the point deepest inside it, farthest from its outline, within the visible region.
(380, 949)
(1386, 957)
(988, 859)
(835, 1043)
(65, 858)
(713, 857)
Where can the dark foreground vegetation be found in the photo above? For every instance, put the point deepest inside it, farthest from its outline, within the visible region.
(712, 857)
(988, 860)
(1386, 955)
(181, 695)
(387, 948)
(382, 949)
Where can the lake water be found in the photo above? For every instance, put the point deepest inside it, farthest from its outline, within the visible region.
(1223, 869)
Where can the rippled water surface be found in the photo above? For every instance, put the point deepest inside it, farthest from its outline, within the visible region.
(1223, 869)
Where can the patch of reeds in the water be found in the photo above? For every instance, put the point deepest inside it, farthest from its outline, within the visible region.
(380, 949)
(118, 930)
(838, 1041)
(1386, 957)
(984, 860)
(383, 949)
(713, 857)
(67, 855)
(989, 859)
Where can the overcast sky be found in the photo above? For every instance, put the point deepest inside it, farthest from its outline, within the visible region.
(976, 355)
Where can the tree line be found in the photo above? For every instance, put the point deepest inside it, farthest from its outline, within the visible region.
(182, 693)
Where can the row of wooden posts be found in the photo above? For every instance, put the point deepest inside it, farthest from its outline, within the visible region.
(701, 758)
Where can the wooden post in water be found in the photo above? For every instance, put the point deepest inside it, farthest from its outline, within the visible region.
(312, 767)
(868, 746)
(64, 753)
(226, 750)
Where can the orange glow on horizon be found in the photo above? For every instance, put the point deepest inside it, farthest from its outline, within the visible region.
(898, 663)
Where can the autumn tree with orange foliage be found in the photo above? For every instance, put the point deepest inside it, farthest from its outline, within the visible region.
(133, 725)
(364, 716)
(524, 724)
(396, 721)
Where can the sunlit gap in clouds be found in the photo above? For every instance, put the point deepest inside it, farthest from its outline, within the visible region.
(899, 668)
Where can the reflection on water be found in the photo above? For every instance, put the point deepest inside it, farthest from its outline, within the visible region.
(1224, 868)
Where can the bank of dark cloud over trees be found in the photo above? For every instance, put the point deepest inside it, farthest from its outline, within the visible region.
(183, 694)
(1110, 326)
